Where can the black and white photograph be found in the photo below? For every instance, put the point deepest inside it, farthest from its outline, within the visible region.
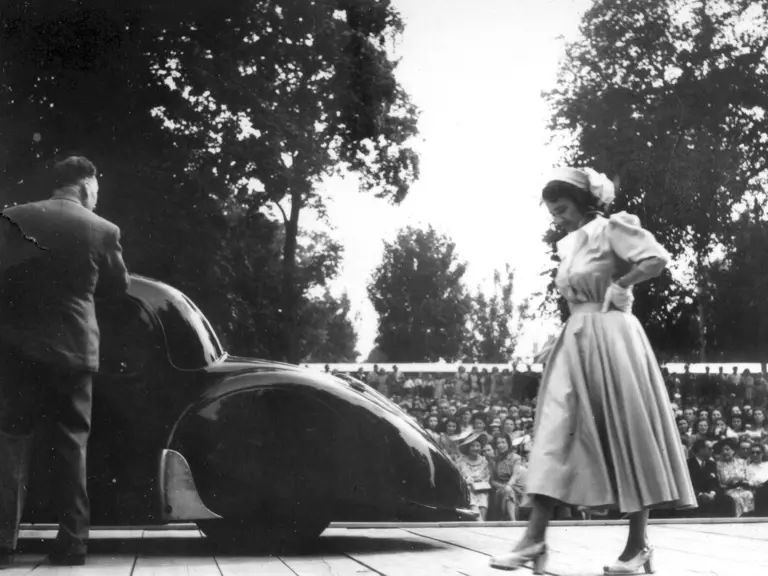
(383, 287)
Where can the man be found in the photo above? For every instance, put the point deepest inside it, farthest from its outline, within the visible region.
(710, 497)
(745, 449)
(56, 257)
(685, 433)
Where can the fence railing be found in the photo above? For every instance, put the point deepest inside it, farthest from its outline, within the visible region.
(452, 368)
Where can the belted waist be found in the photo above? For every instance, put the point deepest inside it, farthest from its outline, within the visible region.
(585, 307)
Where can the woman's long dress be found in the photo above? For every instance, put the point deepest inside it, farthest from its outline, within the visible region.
(729, 474)
(477, 470)
(503, 471)
(605, 436)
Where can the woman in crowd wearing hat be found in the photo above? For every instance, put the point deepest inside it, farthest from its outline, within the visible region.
(476, 471)
(504, 467)
(450, 438)
(604, 434)
(732, 475)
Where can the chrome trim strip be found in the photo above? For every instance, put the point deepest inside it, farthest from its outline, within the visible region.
(179, 499)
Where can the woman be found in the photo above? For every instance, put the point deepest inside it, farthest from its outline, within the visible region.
(449, 439)
(720, 431)
(760, 422)
(465, 420)
(702, 431)
(603, 412)
(732, 475)
(432, 422)
(476, 471)
(504, 472)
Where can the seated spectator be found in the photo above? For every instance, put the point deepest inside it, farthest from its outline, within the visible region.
(710, 496)
(757, 478)
(504, 471)
(721, 431)
(432, 423)
(489, 451)
(743, 450)
(732, 476)
(476, 471)
(702, 431)
(759, 431)
(737, 425)
(519, 429)
(465, 419)
(478, 423)
(685, 435)
(450, 437)
(690, 415)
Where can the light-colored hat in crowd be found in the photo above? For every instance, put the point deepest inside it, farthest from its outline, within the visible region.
(481, 437)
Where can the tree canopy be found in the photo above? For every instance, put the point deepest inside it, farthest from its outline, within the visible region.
(199, 115)
(422, 303)
(670, 96)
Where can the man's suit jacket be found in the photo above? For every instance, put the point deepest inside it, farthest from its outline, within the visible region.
(704, 479)
(56, 257)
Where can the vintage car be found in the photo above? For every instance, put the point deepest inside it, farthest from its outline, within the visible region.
(256, 453)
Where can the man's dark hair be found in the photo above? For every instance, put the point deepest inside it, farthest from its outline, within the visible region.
(73, 169)
(698, 445)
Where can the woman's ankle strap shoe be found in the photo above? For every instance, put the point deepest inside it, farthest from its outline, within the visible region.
(643, 559)
(536, 555)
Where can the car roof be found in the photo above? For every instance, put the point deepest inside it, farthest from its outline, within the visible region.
(191, 341)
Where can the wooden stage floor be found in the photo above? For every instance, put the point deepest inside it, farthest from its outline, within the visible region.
(578, 548)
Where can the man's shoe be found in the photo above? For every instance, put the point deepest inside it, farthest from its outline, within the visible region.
(62, 559)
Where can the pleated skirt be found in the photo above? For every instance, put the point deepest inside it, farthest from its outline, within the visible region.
(604, 434)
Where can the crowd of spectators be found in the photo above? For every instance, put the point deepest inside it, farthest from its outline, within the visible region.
(484, 421)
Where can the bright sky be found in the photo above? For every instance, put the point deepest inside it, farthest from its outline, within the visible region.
(476, 68)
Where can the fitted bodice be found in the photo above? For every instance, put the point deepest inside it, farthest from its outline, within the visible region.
(598, 253)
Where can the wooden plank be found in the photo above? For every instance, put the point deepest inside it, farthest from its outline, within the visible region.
(673, 554)
(497, 541)
(96, 565)
(749, 531)
(243, 566)
(175, 565)
(175, 552)
(24, 564)
(709, 545)
(326, 564)
(395, 552)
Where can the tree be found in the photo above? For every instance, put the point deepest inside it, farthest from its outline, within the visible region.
(495, 321)
(739, 283)
(194, 111)
(670, 96)
(327, 331)
(420, 298)
(315, 86)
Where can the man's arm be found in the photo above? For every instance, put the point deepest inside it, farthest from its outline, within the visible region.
(113, 274)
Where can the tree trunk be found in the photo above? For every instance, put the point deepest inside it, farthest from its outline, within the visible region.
(290, 295)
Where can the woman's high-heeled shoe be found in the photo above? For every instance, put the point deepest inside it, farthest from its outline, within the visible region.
(643, 559)
(536, 554)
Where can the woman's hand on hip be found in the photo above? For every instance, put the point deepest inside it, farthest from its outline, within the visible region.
(619, 298)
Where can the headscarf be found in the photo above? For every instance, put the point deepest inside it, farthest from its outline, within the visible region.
(597, 184)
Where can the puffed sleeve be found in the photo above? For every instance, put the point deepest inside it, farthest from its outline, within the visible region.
(631, 242)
